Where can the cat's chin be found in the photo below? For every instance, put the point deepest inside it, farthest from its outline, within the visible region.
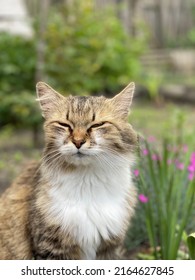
(79, 159)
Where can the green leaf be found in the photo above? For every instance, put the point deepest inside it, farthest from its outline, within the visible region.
(191, 245)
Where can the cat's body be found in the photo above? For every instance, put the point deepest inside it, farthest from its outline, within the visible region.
(78, 201)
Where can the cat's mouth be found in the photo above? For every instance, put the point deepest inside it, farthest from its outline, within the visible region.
(80, 155)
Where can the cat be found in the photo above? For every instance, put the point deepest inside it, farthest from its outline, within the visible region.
(77, 202)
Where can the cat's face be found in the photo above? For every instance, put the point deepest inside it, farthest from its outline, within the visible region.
(86, 130)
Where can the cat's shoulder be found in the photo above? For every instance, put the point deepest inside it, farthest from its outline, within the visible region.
(23, 185)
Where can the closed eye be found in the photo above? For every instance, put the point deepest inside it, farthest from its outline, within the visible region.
(65, 125)
(97, 125)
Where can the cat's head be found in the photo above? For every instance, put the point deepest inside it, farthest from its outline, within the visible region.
(86, 130)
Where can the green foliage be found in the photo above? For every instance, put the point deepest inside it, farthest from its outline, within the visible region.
(19, 109)
(152, 81)
(191, 245)
(17, 60)
(167, 194)
(89, 52)
(17, 81)
(187, 41)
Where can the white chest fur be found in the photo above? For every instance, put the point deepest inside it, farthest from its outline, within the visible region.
(91, 203)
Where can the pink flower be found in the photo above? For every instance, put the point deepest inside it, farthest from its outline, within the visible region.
(136, 172)
(191, 168)
(151, 139)
(180, 165)
(192, 159)
(169, 161)
(143, 198)
(155, 157)
(145, 152)
(185, 148)
(175, 149)
(191, 176)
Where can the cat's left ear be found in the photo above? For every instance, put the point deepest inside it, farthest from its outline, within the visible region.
(123, 100)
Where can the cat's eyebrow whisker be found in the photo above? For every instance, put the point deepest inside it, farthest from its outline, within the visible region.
(42, 98)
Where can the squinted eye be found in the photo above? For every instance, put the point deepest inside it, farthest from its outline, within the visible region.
(65, 125)
(97, 125)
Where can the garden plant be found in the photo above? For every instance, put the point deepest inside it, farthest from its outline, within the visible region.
(166, 179)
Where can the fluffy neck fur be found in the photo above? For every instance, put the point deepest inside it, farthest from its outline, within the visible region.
(90, 203)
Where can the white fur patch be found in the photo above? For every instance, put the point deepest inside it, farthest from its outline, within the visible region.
(90, 203)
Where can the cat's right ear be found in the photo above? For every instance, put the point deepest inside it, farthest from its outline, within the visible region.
(48, 98)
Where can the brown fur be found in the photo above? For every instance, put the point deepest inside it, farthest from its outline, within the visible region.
(26, 229)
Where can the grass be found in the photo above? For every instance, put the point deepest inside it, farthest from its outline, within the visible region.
(167, 120)
(16, 150)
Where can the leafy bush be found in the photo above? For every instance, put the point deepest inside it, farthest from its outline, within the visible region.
(17, 60)
(17, 81)
(19, 110)
(89, 52)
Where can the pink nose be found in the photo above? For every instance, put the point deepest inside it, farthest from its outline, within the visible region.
(78, 143)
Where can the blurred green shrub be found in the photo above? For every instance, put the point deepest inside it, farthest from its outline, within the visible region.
(17, 60)
(19, 109)
(89, 51)
(187, 41)
(17, 81)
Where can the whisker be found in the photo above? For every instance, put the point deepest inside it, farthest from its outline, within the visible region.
(55, 163)
(112, 152)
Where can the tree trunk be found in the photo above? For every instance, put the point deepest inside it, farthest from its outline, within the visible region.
(43, 14)
(131, 6)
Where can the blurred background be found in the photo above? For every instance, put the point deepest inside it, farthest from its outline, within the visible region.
(95, 47)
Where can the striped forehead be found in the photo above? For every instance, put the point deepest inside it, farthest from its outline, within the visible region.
(80, 105)
(84, 108)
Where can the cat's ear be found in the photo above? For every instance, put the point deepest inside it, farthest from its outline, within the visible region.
(48, 98)
(123, 100)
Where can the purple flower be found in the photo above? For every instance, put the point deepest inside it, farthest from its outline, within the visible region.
(192, 159)
(175, 149)
(191, 167)
(145, 152)
(185, 148)
(155, 157)
(180, 165)
(136, 172)
(151, 139)
(143, 198)
(190, 176)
